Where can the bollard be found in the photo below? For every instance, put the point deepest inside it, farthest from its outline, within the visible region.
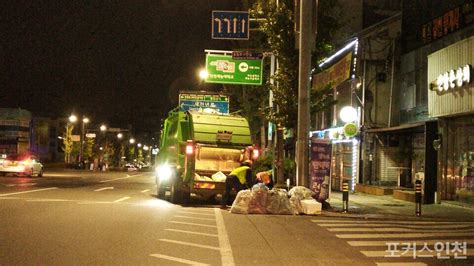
(418, 197)
(345, 197)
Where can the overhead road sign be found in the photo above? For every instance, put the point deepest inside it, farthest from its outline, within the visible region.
(224, 69)
(200, 102)
(231, 25)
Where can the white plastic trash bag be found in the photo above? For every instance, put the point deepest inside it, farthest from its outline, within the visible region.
(296, 205)
(301, 192)
(241, 202)
(258, 202)
(219, 177)
(278, 202)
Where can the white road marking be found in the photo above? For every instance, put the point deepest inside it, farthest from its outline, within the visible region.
(391, 229)
(21, 185)
(120, 178)
(203, 225)
(387, 222)
(404, 253)
(104, 188)
(190, 262)
(49, 200)
(189, 244)
(122, 199)
(190, 232)
(144, 191)
(418, 243)
(401, 264)
(407, 235)
(110, 180)
(28, 191)
(400, 225)
(198, 213)
(194, 218)
(227, 258)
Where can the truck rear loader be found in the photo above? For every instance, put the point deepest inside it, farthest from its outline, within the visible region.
(198, 150)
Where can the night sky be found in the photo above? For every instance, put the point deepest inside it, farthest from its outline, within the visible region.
(119, 62)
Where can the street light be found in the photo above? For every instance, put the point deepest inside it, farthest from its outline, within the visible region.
(203, 74)
(119, 135)
(72, 118)
(103, 127)
(132, 140)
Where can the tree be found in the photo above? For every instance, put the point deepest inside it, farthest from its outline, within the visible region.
(89, 148)
(68, 143)
(277, 25)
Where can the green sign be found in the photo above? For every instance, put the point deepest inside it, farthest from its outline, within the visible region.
(350, 129)
(224, 69)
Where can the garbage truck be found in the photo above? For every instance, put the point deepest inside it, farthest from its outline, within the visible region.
(198, 150)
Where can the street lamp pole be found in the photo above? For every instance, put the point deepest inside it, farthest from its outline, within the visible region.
(85, 120)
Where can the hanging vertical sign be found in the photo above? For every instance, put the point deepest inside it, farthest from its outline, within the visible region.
(320, 168)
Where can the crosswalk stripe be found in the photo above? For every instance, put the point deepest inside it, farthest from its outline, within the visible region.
(189, 244)
(180, 260)
(411, 253)
(393, 229)
(195, 224)
(198, 213)
(324, 221)
(406, 235)
(377, 243)
(194, 218)
(400, 225)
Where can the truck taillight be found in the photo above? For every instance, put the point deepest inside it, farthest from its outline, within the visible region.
(255, 154)
(189, 148)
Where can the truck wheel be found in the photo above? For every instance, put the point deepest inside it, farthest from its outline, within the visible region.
(161, 192)
(175, 193)
(186, 196)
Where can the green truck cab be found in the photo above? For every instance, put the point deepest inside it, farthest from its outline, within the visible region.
(198, 150)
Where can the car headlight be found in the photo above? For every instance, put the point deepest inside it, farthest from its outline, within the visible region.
(163, 172)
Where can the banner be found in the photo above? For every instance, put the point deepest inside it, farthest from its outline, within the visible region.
(320, 168)
(336, 74)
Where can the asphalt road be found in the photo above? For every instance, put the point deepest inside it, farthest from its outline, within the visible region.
(113, 218)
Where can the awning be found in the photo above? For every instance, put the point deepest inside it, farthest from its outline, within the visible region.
(397, 128)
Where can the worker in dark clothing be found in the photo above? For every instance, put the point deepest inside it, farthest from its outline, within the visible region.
(239, 179)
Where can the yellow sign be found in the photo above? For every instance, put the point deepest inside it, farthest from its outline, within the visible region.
(336, 74)
(350, 129)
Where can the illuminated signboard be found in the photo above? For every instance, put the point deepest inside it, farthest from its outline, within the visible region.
(453, 78)
(202, 102)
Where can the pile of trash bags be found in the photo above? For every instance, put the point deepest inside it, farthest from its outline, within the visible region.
(261, 200)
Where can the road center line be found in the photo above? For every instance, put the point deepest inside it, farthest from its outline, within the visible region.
(203, 225)
(189, 244)
(227, 258)
(190, 232)
(144, 191)
(28, 191)
(120, 178)
(190, 262)
(122, 199)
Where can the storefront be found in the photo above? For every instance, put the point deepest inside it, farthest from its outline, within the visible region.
(451, 100)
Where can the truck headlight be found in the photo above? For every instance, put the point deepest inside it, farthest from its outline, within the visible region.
(163, 172)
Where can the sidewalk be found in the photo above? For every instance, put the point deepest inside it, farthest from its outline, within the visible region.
(370, 206)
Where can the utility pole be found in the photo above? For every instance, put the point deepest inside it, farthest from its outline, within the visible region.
(302, 141)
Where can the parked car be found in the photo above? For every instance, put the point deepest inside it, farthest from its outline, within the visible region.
(25, 164)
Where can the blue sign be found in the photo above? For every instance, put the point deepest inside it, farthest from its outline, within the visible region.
(233, 25)
(204, 103)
